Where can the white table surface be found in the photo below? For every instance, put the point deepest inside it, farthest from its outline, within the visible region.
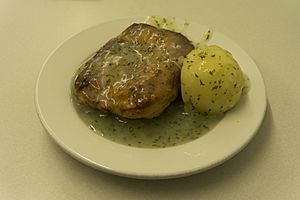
(32, 166)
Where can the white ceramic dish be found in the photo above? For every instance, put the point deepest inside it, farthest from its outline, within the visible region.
(59, 118)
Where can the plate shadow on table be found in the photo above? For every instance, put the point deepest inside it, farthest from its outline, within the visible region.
(213, 178)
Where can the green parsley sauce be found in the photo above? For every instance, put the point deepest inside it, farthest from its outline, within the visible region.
(173, 127)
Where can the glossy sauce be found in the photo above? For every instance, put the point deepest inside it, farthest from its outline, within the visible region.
(173, 127)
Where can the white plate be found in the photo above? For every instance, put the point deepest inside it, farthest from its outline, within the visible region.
(59, 118)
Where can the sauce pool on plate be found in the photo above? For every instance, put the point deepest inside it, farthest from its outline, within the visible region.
(173, 127)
